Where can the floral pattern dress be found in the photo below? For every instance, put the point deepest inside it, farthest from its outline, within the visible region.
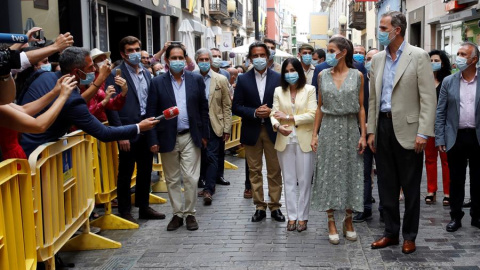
(338, 176)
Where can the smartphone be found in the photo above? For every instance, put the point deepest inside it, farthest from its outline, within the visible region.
(118, 72)
(39, 35)
(175, 42)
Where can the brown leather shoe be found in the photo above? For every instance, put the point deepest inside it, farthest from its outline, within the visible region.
(149, 213)
(247, 194)
(128, 217)
(200, 193)
(408, 247)
(192, 224)
(384, 242)
(175, 223)
(207, 198)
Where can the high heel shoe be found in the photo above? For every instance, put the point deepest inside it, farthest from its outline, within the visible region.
(431, 199)
(349, 235)
(334, 239)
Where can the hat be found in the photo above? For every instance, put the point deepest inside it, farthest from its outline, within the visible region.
(94, 53)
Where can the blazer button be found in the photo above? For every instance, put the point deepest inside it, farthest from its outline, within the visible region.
(296, 126)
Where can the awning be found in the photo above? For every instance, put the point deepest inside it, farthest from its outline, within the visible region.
(464, 15)
(217, 30)
(197, 27)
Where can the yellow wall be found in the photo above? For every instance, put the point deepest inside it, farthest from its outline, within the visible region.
(318, 24)
(47, 19)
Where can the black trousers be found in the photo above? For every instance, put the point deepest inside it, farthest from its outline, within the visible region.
(466, 150)
(221, 159)
(398, 168)
(140, 154)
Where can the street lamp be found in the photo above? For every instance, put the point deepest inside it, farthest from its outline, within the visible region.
(342, 20)
(330, 32)
(231, 6)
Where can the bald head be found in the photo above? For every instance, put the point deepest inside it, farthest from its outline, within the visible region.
(233, 74)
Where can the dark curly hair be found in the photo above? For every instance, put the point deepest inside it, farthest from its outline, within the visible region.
(446, 68)
(302, 80)
(344, 44)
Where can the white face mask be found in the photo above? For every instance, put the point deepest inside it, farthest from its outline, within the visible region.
(101, 64)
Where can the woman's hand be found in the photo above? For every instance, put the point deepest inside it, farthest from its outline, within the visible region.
(314, 142)
(362, 144)
(280, 115)
(283, 130)
(122, 83)
(58, 86)
(68, 84)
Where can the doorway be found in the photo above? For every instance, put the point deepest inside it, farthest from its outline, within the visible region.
(120, 26)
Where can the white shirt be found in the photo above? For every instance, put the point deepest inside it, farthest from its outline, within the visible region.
(261, 80)
(467, 102)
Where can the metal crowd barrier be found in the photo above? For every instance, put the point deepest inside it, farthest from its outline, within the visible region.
(234, 139)
(64, 197)
(17, 230)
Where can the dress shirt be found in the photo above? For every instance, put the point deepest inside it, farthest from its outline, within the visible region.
(207, 78)
(389, 72)
(140, 85)
(467, 102)
(181, 99)
(261, 80)
(309, 73)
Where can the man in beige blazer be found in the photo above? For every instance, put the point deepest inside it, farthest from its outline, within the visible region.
(401, 117)
(220, 114)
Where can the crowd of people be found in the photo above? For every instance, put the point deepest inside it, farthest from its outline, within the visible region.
(320, 120)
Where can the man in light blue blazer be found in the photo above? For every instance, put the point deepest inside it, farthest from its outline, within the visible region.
(457, 132)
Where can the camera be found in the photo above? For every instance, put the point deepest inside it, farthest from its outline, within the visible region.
(9, 60)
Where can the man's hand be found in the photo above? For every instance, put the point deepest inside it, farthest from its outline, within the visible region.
(226, 137)
(371, 142)
(204, 142)
(420, 144)
(63, 41)
(58, 85)
(280, 115)
(32, 31)
(442, 148)
(124, 145)
(154, 149)
(103, 73)
(67, 86)
(148, 124)
(263, 111)
(283, 130)
(122, 83)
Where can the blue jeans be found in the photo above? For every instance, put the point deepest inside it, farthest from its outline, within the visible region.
(209, 165)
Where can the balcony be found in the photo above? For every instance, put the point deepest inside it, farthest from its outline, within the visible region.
(218, 9)
(250, 22)
(357, 15)
(238, 15)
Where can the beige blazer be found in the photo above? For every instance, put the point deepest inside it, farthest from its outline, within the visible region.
(304, 115)
(413, 97)
(219, 104)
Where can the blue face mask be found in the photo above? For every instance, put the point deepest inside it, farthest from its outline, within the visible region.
(89, 77)
(331, 59)
(176, 66)
(307, 59)
(204, 66)
(291, 77)
(314, 62)
(259, 63)
(46, 67)
(359, 58)
(158, 72)
(461, 63)
(247, 62)
(134, 58)
(383, 38)
(368, 66)
(216, 62)
(436, 66)
(272, 54)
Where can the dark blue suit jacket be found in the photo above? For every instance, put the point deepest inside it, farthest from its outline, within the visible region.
(162, 97)
(130, 112)
(360, 67)
(74, 112)
(246, 100)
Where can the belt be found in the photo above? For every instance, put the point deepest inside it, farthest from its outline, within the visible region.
(183, 132)
(386, 114)
(467, 130)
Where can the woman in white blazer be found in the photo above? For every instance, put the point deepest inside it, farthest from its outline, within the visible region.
(292, 116)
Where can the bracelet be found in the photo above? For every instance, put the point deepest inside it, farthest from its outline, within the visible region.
(5, 77)
(95, 85)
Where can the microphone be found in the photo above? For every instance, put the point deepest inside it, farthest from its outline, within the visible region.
(13, 38)
(169, 113)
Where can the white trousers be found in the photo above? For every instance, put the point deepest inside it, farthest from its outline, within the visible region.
(296, 166)
(182, 162)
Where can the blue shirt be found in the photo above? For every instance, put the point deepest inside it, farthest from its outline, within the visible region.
(140, 85)
(389, 72)
(181, 99)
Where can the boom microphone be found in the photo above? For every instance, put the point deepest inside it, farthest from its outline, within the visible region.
(169, 113)
(13, 38)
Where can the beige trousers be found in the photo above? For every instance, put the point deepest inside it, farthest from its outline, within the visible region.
(254, 155)
(182, 162)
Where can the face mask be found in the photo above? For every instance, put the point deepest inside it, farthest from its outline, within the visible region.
(383, 38)
(307, 59)
(134, 58)
(331, 59)
(314, 62)
(436, 66)
(217, 62)
(204, 66)
(247, 62)
(272, 54)
(291, 77)
(461, 63)
(177, 65)
(359, 57)
(101, 64)
(259, 63)
(368, 66)
(158, 72)
(88, 79)
(46, 67)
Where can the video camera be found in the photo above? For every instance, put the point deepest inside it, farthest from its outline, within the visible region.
(10, 59)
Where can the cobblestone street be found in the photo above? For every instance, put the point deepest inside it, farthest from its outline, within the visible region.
(228, 240)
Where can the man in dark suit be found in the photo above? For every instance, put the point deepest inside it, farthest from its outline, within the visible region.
(253, 101)
(134, 150)
(179, 141)
(457, 131)
(74, 61)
